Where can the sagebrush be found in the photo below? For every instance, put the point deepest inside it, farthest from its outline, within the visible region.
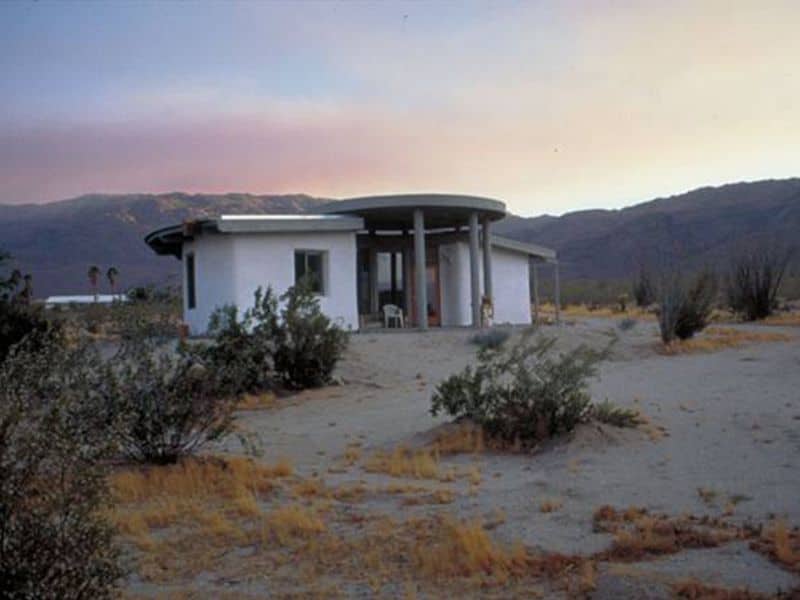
(54, 539)
(523, 392)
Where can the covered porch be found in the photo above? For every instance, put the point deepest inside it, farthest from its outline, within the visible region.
(434, 256)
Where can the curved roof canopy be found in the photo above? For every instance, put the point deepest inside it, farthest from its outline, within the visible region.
(397, 211)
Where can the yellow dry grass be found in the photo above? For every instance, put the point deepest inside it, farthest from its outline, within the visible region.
(550, 505)
(692, 589)
(459, 439)
(291, 522)
(714, 339)
(405, 462)
(789, 319)
(780, 543)
(586, 311)
(261, 401)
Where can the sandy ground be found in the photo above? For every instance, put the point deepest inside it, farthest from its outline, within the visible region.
(732, 422)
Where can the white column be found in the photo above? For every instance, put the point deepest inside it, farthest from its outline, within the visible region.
(419, 268)
(474, 269)
(487, 259)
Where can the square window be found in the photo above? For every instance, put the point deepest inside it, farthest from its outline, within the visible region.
(309, 268)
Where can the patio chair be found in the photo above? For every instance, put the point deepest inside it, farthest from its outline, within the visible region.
(393, 314)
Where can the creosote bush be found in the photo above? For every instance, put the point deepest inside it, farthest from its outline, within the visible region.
(754, 280)
(54, 539)
(644, 293)
(685, 304)
(522, 393)
(296, 347)
(493, 337)
(165, 403)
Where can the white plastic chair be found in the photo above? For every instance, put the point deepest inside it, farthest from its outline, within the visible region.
(393, 313)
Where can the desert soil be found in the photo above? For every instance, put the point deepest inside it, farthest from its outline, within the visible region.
(726, 422)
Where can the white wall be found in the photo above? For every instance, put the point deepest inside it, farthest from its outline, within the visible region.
(229, 268)
(510, 279)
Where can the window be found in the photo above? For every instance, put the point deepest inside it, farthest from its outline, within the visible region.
(309, 266)
(191, 298)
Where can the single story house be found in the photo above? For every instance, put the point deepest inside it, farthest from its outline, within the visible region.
(432, 255)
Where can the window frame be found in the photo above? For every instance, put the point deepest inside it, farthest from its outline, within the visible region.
(323, 279)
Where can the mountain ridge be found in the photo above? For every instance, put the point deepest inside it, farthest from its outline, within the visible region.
(58, 241)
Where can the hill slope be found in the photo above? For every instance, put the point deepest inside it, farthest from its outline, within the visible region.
(57, 242)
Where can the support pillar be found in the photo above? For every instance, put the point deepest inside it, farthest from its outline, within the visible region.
(420, 269)
(407, 299)
(487, 260)
(535, 274)
(474, 269)
(373, 278)
(557, 282)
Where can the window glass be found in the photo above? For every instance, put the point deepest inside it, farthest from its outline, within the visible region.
(191, 299)
(309, 267)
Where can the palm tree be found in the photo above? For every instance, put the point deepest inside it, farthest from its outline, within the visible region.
(111, 275)
(94, 274)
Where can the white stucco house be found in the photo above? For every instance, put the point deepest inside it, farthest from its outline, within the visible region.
(432, 255)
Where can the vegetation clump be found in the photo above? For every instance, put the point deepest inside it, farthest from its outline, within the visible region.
(685, 304)
(297, 347)
(493, 337)
(754, 280)
(54, 539)
(522, 393)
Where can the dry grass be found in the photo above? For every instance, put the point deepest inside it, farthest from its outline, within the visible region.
(550, 505)
(405, 462)
(587, 311)
(696, 590)
(291, 522)
(460, 438)
(639, 535)
(261, 401)
(714, 339)
(790, 319)
(781, 544)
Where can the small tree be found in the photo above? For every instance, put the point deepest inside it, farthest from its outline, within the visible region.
(754, 280)
(54, 539)
(94, 276)
(522, 392)
(112, 275)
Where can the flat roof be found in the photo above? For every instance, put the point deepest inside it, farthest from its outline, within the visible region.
(396, 211)
(535, 250)
(168, 240)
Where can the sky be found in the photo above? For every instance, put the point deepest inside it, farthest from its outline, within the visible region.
(548, 106)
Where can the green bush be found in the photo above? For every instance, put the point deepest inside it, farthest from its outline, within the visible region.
(18, 321)
(309, 343)
(522, 392)
(685, 305)
(54, 540)
(164, 402)
(611, 414)
(643, 289)
(297, 347)
(754, 280)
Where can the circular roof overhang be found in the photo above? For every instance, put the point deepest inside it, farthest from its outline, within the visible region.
(396, 212)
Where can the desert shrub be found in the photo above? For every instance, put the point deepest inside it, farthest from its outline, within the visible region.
(627, 324)
(522, 392)
(54, 539)
(491, 338)
(643, 288)
(297, 347)
(166, 402)
(685, 304)
(611, 414)
(622, 302)
(244, 347)
(754, 280)
(309, 342)
(18, 321)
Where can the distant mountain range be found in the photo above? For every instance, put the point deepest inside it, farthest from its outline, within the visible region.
(57, 242)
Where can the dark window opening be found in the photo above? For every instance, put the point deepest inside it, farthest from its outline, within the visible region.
(191, 299)
(309, 269)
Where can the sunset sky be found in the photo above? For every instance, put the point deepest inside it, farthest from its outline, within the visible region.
(549, 106)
